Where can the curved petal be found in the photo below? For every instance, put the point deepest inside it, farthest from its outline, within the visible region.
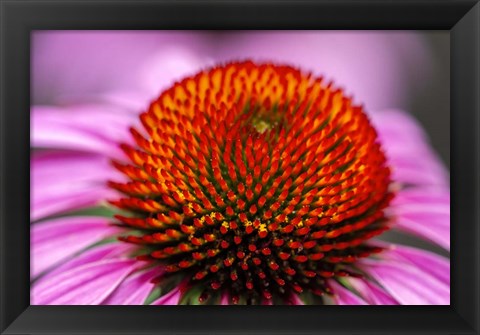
(407, 283)
(56, 240)
(134, 101)
(91, 128)
(85, 285)
(418, 170)
(224, 300)
(343, 296)
(373, 294)
(134, 289)
(65, 166)
(295, 300)
(437, 197)
(409, 154)
(171, 298)
(66, 181)
(89, 256)
(425, 213)
(429, 227)
(435, 265)
(76, 199)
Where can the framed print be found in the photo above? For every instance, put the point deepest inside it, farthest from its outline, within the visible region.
(228, 167)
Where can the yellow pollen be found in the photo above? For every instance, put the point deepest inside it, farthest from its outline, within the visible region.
(261, 126)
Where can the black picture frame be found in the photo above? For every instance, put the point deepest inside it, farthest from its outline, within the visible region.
(19, 17)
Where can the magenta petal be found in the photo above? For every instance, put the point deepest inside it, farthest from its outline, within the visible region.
(56, 240)
(87, 128)
(171, 298)
(295, 300)
(77, 199)
(115, 250)
(424, 213)
(224, 300)
(92, 255)
(59, 134)
(84, 285)
(408, 284)
(66, 181)
(379, 296)
(61, 167)
(407, 149)
(419, 169)
(373, 294)
(343, 296)
(435, 265)
(411, 173)
(429, 226)
(136, 102)
(134, 289)
(437, 197)
(397, 124)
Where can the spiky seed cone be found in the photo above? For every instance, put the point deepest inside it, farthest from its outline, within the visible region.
(258, 181)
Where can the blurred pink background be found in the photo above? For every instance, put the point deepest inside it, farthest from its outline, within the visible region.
(408, 70)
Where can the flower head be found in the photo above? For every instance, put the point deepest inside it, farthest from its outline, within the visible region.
(257, 180)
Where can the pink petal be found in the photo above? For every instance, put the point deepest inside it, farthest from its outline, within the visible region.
(408, 284)
(435, 265)
(66, 181)
(56, 240)
(85, 285)
(373, 294)
(424, 213)
(107, 251)
(419, 169)
(407, 148)
(295, 300)
(135, 289)
(76, 199)
(91, 128)
(224, 300)
(423, 210)
(65, 166)
(397, 124)
(407, 174)
(430, 227)
(134, 101)
(171, 298)
(422, 195)
(343, 296)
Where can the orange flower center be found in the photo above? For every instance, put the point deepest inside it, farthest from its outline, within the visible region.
(255, 181)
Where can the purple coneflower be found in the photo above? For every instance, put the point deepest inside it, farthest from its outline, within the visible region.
(243, 184)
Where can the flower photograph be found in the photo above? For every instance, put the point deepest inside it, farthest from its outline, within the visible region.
(239, 168)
